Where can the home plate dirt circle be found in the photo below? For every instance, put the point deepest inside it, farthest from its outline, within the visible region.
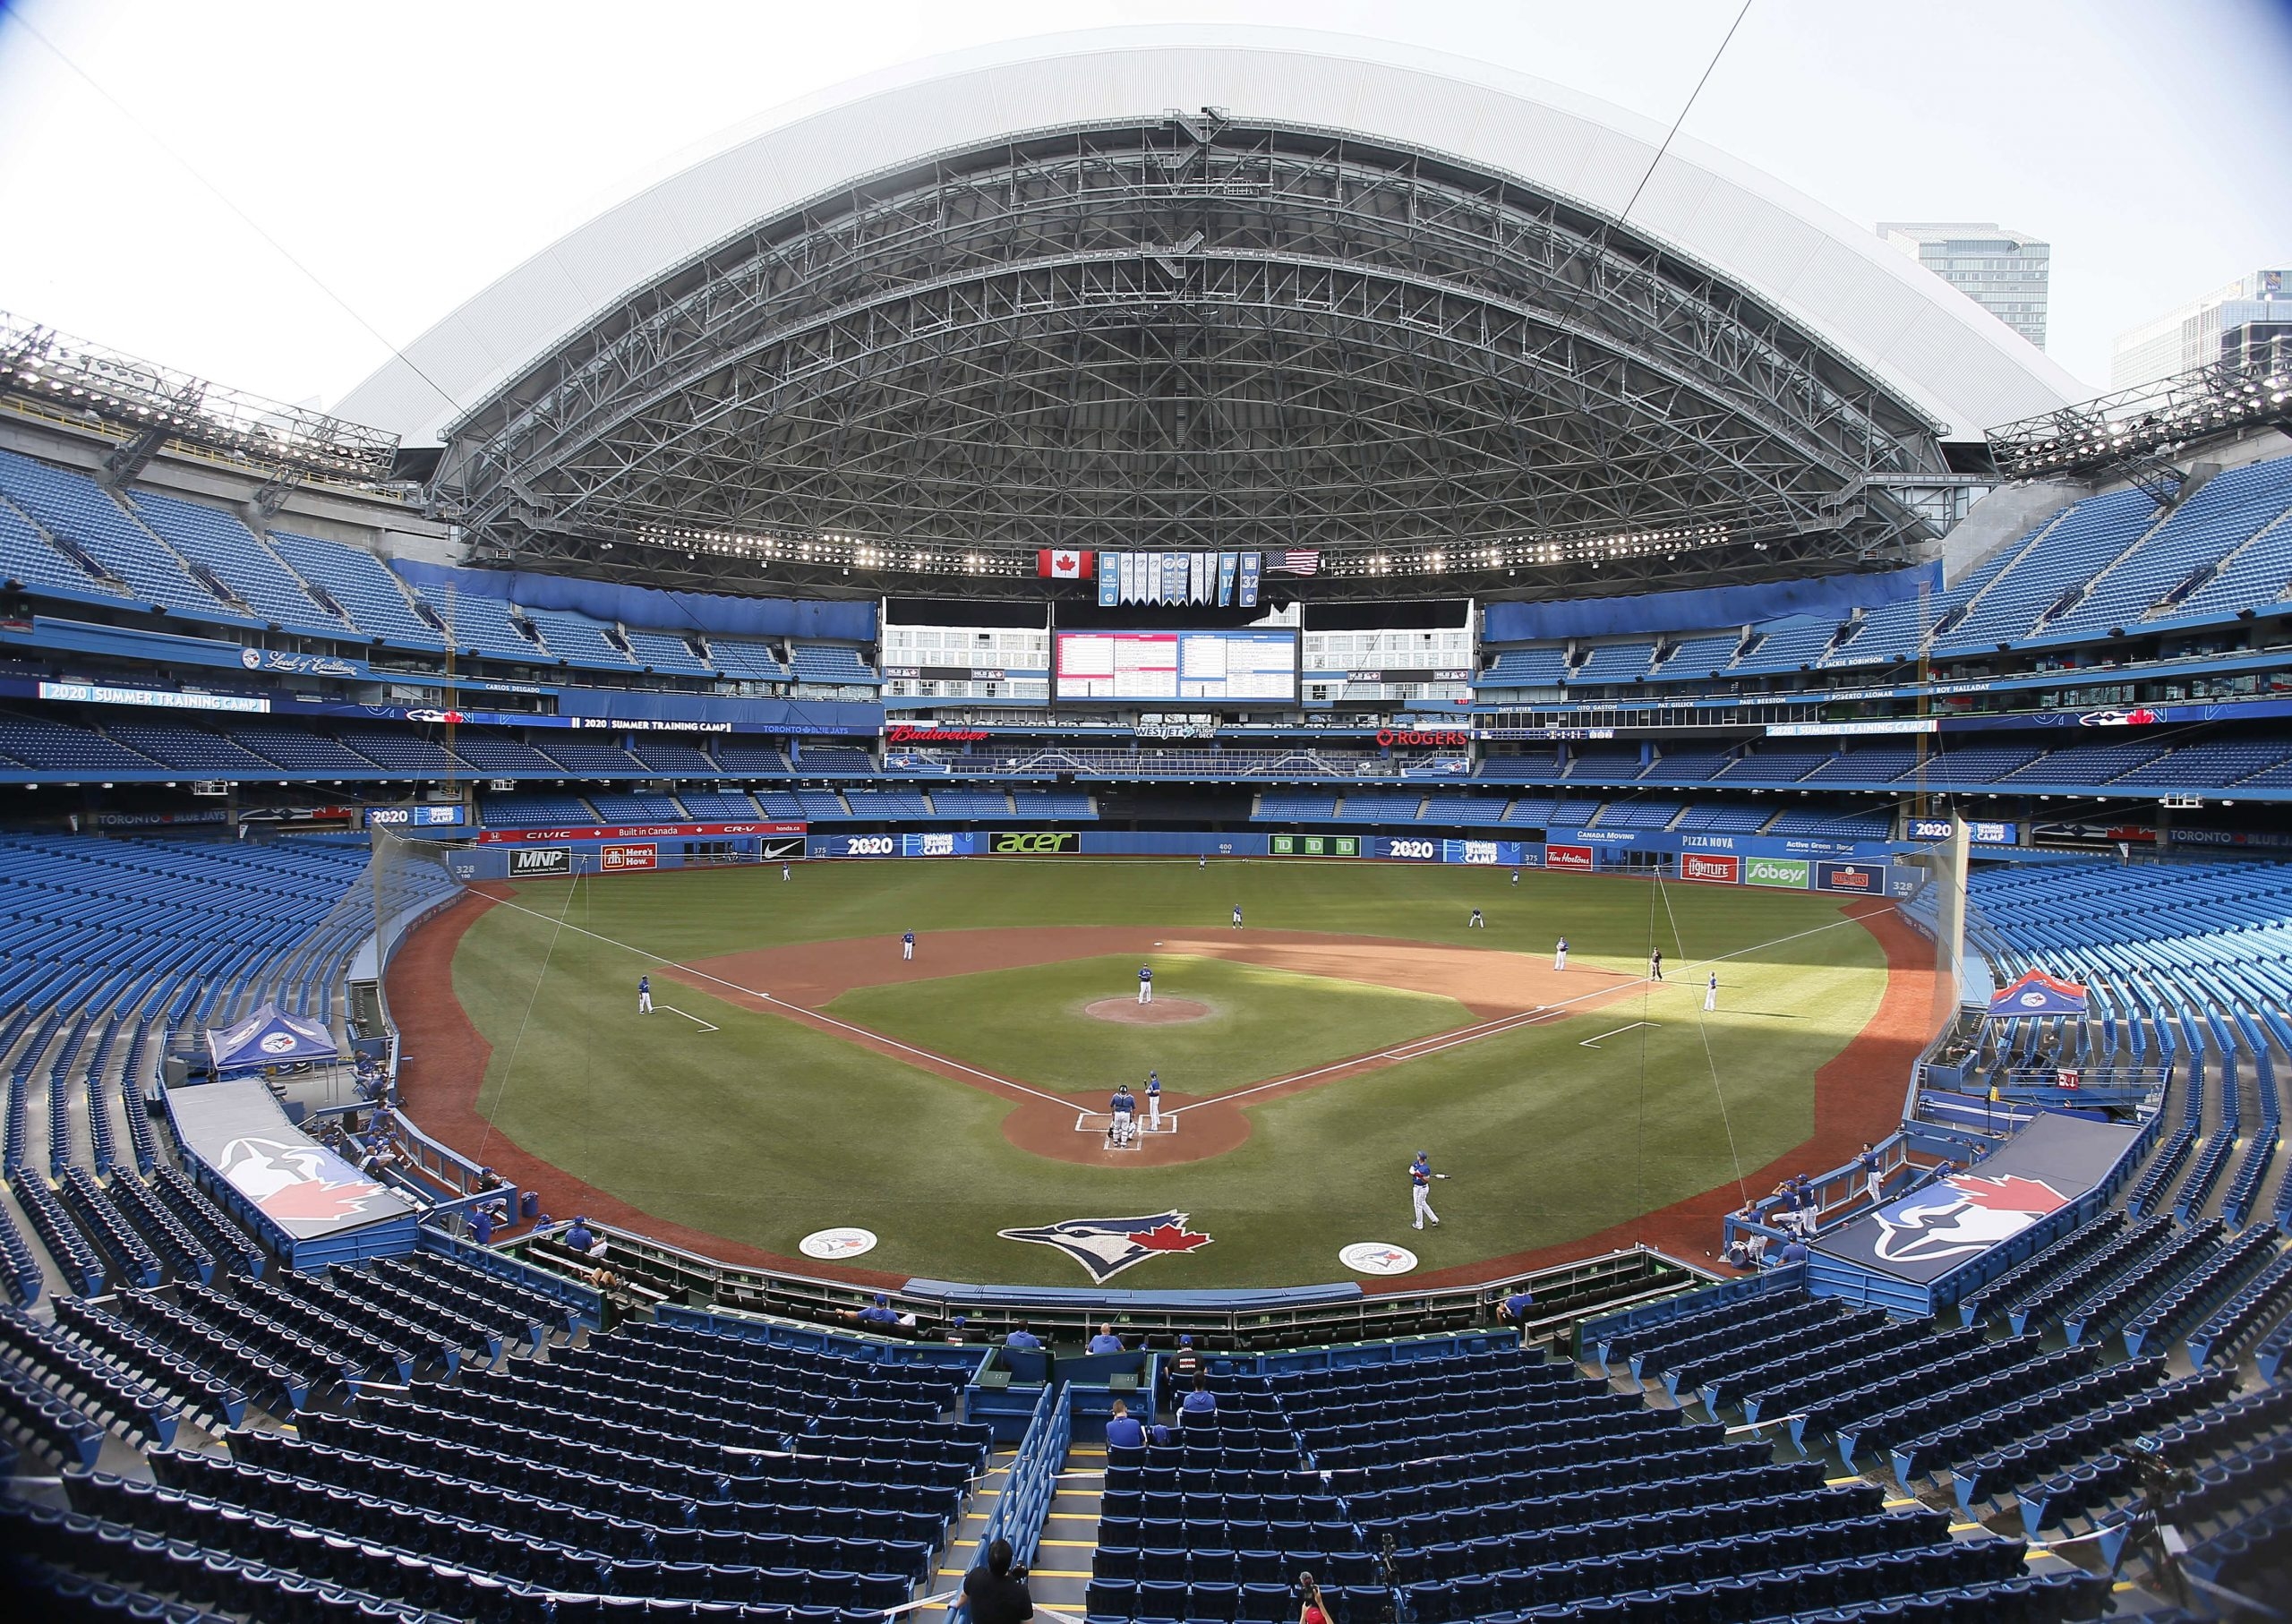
(1162, 1012)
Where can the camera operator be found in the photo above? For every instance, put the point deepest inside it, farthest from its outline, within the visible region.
(1310, 1610)
(998, 1592)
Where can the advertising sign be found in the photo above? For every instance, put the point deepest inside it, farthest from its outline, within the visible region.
(1313, 845)
(1783, 873)
(1567, 856)
(1034, 842)
(540, 862)
(623, 860)
(1406, 847)
(1868, 878)
(417, 817)
(1979, 833)
(1710, 870)
(526, 837)
(1504, 853)
(935, 845)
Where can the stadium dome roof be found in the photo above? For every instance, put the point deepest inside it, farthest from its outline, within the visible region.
(1206, 287)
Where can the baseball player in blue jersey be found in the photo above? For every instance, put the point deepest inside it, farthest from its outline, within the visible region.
(1237, 916)
(1145, 984)
(1420, 1189)
(907, 945)
(1559, 954)
(644, 994)
(1711, 992)
(1154, 1101)
(1124, 1109)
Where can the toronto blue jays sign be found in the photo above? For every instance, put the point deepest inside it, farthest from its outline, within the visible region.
(1107, 1246)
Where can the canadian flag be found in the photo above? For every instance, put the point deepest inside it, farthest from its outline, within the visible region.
(1063, 565)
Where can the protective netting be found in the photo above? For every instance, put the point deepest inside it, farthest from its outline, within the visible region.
(406, 880)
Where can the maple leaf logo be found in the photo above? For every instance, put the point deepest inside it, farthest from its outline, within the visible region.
(1171, 1237)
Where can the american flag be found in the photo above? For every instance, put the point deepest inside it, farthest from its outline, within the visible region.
(1294, 562)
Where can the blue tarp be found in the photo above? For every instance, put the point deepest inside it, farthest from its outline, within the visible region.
(1714, 609)
(271, 1037)
(651, 607)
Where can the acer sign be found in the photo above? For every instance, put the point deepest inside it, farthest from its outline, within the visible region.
(902, 732)
(1710, 870)
(1413, 739)
(1568, 857)
(1034, 842)
(620, 860)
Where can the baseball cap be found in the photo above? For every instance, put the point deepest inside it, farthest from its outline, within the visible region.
(1185, 1341)
(880, 1298)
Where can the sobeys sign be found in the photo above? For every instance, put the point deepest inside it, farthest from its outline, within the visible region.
(1783, 871)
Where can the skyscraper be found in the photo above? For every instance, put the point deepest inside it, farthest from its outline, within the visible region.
(2006, 272)
(2241, 316)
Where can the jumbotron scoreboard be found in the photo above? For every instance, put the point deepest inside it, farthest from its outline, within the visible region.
(1212, 667)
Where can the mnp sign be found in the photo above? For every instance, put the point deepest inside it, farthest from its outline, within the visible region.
(538, 862)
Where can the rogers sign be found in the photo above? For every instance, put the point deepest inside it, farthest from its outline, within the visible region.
(1412, 739)
(907, 733)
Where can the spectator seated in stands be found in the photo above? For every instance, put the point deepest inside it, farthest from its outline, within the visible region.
(1105, 1342)
(879, 1313)
(1123, 1429)
(1199, 1405)
(1022, 1339)
(579, 1237)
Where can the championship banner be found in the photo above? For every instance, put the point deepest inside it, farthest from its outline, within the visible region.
(1245, 591)
(1941, 1225)
(1709, 870)
(1033, 842)
(1228, 564)
(1111, 579)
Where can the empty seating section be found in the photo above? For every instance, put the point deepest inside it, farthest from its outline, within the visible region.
(717, 806)
(1044, 805)
(49, 744)
(633, 808)
(1612, 662)
(674, 759)
(193, 748)
(2073, 548)
(1545, 666)
(1838, 823)
(591, 757)
(1480, 1484)
(661, 651)
(971, 803)
(748, 657)
(577, 640)
(538, 811)
(835, 662)
(77, 513)
(1703, 656)
(1788, 645)
(480, 625)
(2224, 514)
(1724, 817)
(28, 560)
(490, 750)
(362, 586)
(236, 559)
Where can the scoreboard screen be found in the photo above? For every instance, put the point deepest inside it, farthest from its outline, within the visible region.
(1212, 667)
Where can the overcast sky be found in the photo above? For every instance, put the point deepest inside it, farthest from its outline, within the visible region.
(376, 164)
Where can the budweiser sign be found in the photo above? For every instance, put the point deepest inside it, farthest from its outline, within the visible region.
(905, 732)
(1413, 738)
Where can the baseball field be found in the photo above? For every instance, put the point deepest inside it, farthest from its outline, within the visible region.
(797, 1074)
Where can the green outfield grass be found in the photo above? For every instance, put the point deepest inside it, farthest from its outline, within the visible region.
(771, 1128)
(1262, 1023)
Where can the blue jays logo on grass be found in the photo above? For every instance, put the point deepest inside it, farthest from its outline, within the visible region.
(1963, 1214)
(1106, 1246)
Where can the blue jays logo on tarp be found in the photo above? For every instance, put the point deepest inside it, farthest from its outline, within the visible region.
(295, 1181)
(1961, 1215)
(1106, 1246)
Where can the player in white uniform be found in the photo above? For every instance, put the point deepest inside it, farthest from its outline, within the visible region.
(1154, 1101)
(1559, 954)
(1475, 922)
(1420, 1191)
(907, 945)
(644, 994)
(1237, 916)
(1145, 984)
(1123, 1113)
(1711, 992)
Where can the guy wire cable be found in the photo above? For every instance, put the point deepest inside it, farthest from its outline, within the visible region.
(510, 1069)
(1703, 1030)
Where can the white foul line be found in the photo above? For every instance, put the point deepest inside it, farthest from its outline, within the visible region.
(798, 1009)
(696, 1020)
(1593, 1043)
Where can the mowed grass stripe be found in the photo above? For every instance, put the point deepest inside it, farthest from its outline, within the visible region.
(773, 1128)
(1030, 1024)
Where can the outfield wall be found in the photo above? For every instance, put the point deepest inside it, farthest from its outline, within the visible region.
(1843, 868)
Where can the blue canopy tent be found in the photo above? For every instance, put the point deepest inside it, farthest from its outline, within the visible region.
(270, 1037)
(2037, 994)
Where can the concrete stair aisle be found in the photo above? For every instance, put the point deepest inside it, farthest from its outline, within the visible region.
(104, 1094)
(1060, 1574)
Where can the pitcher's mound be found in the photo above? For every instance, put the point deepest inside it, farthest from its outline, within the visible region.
(1162, 1012)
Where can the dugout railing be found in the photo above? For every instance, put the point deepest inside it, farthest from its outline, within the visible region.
(1239, 1320)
